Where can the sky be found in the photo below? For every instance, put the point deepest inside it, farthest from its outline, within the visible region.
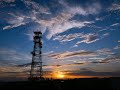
(81, 38)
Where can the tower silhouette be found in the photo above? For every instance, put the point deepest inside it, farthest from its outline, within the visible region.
(36, 64)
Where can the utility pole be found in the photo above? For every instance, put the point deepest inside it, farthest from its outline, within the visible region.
(36, 72)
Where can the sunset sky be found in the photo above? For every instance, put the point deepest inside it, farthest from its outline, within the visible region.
(81, 38)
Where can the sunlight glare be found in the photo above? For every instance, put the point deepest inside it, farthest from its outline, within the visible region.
(59, 75)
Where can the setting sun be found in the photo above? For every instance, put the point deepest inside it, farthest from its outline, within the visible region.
(58, 75)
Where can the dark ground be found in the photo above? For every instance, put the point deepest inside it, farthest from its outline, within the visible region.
(74, 84)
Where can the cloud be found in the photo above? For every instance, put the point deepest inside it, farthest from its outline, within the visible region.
(98, 18)
(47, 53)
(52, 65)
(104, 55)
(17, 18)
(16, 21)
(114, 6)
(118, 41)
(89, 8)
(11, 73)
(64, 55)
(7, 1)
(109, 58)
(75, 64)
(88, 38)
(35, 27)
(13, 26)
(105, 34)
(85, 11)
(11, 57)
(87, 72)
(15, 69)
(105, 51)
(91, 59)
(115, 24)
(54, 24)
(69, 37)
(61, 24)
(99, 62)
(117, 47)
(36, 7)
(112, 59)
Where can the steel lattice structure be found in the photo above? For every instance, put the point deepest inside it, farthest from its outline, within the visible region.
(36, 65)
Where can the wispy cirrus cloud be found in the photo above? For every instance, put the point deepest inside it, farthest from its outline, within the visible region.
(16, 20)
(69, 37)
(35, 7)
(76, 8)
(54, 24)
(106, 34)
(115, 6)
(82, 38)
(11, 57)
(105, 51)
(115, 24)
(72, 54)
(13, 26)
(14, 69)
(61, 24)
(117, 47)
(88, 38)
(7, 1)
(100, 56)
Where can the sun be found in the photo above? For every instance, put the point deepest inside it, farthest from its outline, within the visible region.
(59, 75)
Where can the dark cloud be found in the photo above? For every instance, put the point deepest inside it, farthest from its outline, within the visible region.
(99, 62)
(110, 59)
(76, 64)
(86, 72)
(47, 66)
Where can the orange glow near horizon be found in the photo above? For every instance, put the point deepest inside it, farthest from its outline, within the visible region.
(62, 75)
(58, 75)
